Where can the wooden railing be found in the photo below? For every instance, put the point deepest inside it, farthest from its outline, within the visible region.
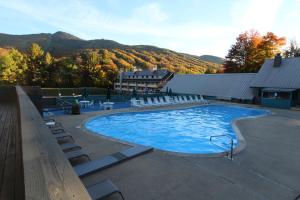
(47, 173)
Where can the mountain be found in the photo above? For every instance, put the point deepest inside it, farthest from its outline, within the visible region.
(62, 44)
(213, 59)
(58, 44)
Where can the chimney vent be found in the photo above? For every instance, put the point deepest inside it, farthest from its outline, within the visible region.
(277, 60)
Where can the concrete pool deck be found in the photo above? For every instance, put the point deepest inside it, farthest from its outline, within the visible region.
(268, 168)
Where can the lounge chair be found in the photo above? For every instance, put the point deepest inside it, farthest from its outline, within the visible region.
(91, 104)
(150, 102)
(203, 100)
(185, 99)
(191, 99)
(66, 147)
(162, 102)
(197, 98)
(155, 101)
(60, 136)
(110, 160)
(168, 100)
(135, 103)
(176, 100)
(180, 99)
(100, 104)
(72, 155)
(56, 131)
(142, 101)
(53, 124)
(103, 189)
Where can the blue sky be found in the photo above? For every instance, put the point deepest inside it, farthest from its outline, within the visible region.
(190, 26)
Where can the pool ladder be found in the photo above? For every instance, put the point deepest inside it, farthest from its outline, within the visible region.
(229, 154)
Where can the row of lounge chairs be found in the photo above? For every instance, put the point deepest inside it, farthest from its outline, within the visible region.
(73, 152)
(167, 100)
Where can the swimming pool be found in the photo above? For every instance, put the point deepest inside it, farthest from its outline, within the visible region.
(183, 130)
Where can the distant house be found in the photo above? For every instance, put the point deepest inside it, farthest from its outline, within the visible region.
(143, 81)
(278, 82)
(234, 86)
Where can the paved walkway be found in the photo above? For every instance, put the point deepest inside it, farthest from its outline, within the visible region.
(268, 169)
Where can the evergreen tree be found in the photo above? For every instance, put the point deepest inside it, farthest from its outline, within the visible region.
(35, 61)
(293, 50)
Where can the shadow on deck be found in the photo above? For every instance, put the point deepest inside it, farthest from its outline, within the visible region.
(11, 165)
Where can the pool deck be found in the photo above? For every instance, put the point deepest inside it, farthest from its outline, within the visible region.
(267, 169)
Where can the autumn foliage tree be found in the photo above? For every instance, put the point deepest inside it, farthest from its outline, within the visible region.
(13, 67)
(250, 51)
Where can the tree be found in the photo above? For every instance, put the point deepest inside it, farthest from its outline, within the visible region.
(87, 66)
(250, 51)
(47, 70)
(12, 67)
(293, 50)
(67, 74)
(210, 71)
(35, 61)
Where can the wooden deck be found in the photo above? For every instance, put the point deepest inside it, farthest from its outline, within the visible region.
(11, 165)
(32, 165)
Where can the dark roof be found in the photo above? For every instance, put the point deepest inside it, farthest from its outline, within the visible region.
(146, 73)
(278, 90)
(287, 75)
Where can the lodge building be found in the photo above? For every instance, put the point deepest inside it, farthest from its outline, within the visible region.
(143, 81)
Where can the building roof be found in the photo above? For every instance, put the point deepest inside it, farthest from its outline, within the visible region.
(287, 75)
(222, 86)
(146, 73)
(278, 90)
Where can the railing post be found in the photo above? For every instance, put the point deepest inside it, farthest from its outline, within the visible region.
(231, 149)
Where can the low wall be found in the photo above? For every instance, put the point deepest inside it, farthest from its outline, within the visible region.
(276, 103)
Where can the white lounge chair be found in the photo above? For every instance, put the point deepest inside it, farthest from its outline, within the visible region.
(100, 104)
(181, 100)
(135, 103)
(162, 101)
(156, 102)
(192, 100)
(150, 102)
(142, 102)
(197, 98)
(91, 103)
(176, 99)
(203, 100)
(169, 100)
(185, 99)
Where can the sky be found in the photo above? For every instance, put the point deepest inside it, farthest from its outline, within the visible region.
(190, 26)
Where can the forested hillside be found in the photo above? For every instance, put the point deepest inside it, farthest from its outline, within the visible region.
(62, 44)
(39, 59)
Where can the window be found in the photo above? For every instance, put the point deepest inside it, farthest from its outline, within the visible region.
(276, 95)
(283, 95)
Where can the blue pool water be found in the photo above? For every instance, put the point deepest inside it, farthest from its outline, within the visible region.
(184, 130)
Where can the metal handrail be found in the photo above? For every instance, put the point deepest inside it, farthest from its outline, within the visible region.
(231, 143)
(66, 106)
